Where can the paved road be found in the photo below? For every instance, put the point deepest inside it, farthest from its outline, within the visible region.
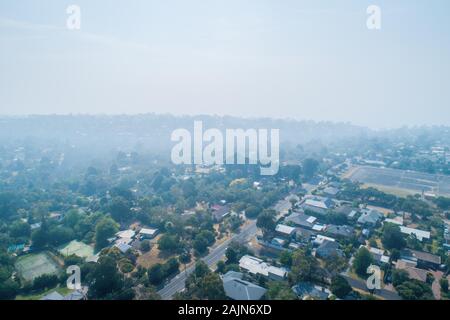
(215, 255)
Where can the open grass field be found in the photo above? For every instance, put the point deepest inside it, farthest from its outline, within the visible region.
(400, 182)
(77, 248)
(34, 265)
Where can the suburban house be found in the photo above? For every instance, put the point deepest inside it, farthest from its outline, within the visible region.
(147, 233)
(328, 249)
(340, 231)
(307, 290)
(128, 234)
(330, 191)
(285, 230)
(321, 239)
(420, 234)
(378, 255)
(219, 212)
(123, 247)
(282, 207)
(413, 272)
(349, 211)
(238, 289)
(278, 242)
(302, 220)
(318, 204)
(256, 266)
(421, 259)
(370, 217)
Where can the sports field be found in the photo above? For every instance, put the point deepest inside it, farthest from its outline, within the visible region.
(77, 248)
(32, 266)
(400, 181)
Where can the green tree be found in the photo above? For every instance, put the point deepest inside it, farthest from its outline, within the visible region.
(156, 274)
(120, 209)
(168, 243)
(171, 267)
(252, 211)
(363, 259)
(415, 290)
(105, 229)
(399, 276)
(106, 279)
(392, 237)
(8, 289)
(277, 290)
(444, 285)
(266, 223)
(310, 167)
(305, 267)
(286, 258)
(340, 287)
(20, 229)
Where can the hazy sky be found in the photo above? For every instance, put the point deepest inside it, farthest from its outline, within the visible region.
(287, 59)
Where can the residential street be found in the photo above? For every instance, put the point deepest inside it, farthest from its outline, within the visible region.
(216, 253)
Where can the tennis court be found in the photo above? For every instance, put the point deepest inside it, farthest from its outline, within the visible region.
(32, 266)
(77, 248)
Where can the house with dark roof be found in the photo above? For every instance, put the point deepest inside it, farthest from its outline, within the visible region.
(302, 220)
(328, 249)
(421, 259)
(340, 231)
(219, 212)
(308, 290)
(238, 289)
(318, 204)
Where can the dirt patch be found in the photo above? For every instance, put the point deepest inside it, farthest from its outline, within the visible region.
(150, 258)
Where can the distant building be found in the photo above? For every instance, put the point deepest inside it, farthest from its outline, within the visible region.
(330, 191)
(126, 234)
(148, 233)
(219, 212)
(238, 289)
